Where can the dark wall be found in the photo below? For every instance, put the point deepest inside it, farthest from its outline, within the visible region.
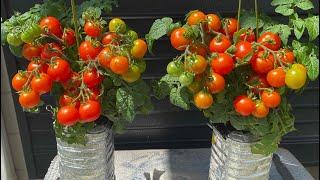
(167, 126)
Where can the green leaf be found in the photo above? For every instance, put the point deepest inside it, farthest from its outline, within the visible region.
(281, 2)
(4, 33)
(312, 25)
(161, 89)
(125, 104)
(248, 20)
(267, 145)
(285, 10)
(312, 65)
(179, 97)
(283, 30)
(237, 34)
(159, 28)
(298, 27)
(305, 5)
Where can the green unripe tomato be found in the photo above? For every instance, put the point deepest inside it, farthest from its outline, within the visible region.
(30, 34)
(14, 39)
(132, 75)
(132, 35)
(296, 76)
(174, 68)
(142, 65)
(186, 78)
(117, 25)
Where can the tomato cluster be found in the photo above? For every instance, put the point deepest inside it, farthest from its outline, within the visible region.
(221, 47)
(118, 51)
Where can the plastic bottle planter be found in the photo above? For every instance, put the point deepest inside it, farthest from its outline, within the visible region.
(93, 161)
(231, 158)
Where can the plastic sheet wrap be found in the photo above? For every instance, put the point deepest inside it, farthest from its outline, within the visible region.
(231, 158)
(95, 160)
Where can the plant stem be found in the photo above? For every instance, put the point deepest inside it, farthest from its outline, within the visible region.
(257, 18)
(75, 20)
(239, 11)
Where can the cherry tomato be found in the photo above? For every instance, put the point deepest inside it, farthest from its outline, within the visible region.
(95, 92)
(214, 22)
(88, 51)
(248, 36)
(110, 38)
(51, 50)
(196, 64)
(296, 76)
(117, 25)
(222, 64)
(203, 100)
(178, 39)
(270, 40)
(14, 39)
(219, 44)
(41, 83)
(29, 51)
(132, 75)
(89, 111)
(243, 49)
(132, 35)
(42, 67)
(68, 115)
(175, 68)
(92, 29)
(230, 26)
(244, 105)
(276, 77)
(119, 64)
(258, 81)
(69, 37)
(271, 99)
(19, 80)
(139, 48)
(186, 78)
(73, 83)
(261, 110)
(66, 99)
(31, 32)
(215, 83)
(29, 99)
(198, 48)
(195, 86)
(52, 24)
(286, 56)
(195, 17)
(92, 78)
(59, 70)
(263, 62)
(105, 57)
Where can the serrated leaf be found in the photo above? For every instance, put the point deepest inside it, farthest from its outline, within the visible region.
(312, 65)
(285, 10)
(281, 2)
(160, 89)
(158, 29)
(248, 20)
(299, 27)
(312, 25)
(179, 97)
(305, 5)
(125, 104)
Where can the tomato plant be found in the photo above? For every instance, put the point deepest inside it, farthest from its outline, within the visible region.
(253, 64)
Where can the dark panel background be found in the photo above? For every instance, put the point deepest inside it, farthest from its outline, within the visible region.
(167, 126)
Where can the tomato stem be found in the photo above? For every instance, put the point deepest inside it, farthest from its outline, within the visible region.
(239, 11)
(75, 21)
(257, 18)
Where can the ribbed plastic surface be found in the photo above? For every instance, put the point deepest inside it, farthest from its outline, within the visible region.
(231, 158)
(95, 160)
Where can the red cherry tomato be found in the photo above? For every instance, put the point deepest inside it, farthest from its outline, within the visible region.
(69, 37)
(92, 29)
(243, 49)
(263, 62)
(230, 26)
(271, 99)
(222, 64)
(52, 24)
(68, 115)
(92, 78)
(41, 83)
(89, 111)
(244, 105)
(248, 36)
(219, 44)
(59, 70)
(110, 38)
(88, 51)
(29, 51)
(178, 39)
(276, 77)
(270, 40)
